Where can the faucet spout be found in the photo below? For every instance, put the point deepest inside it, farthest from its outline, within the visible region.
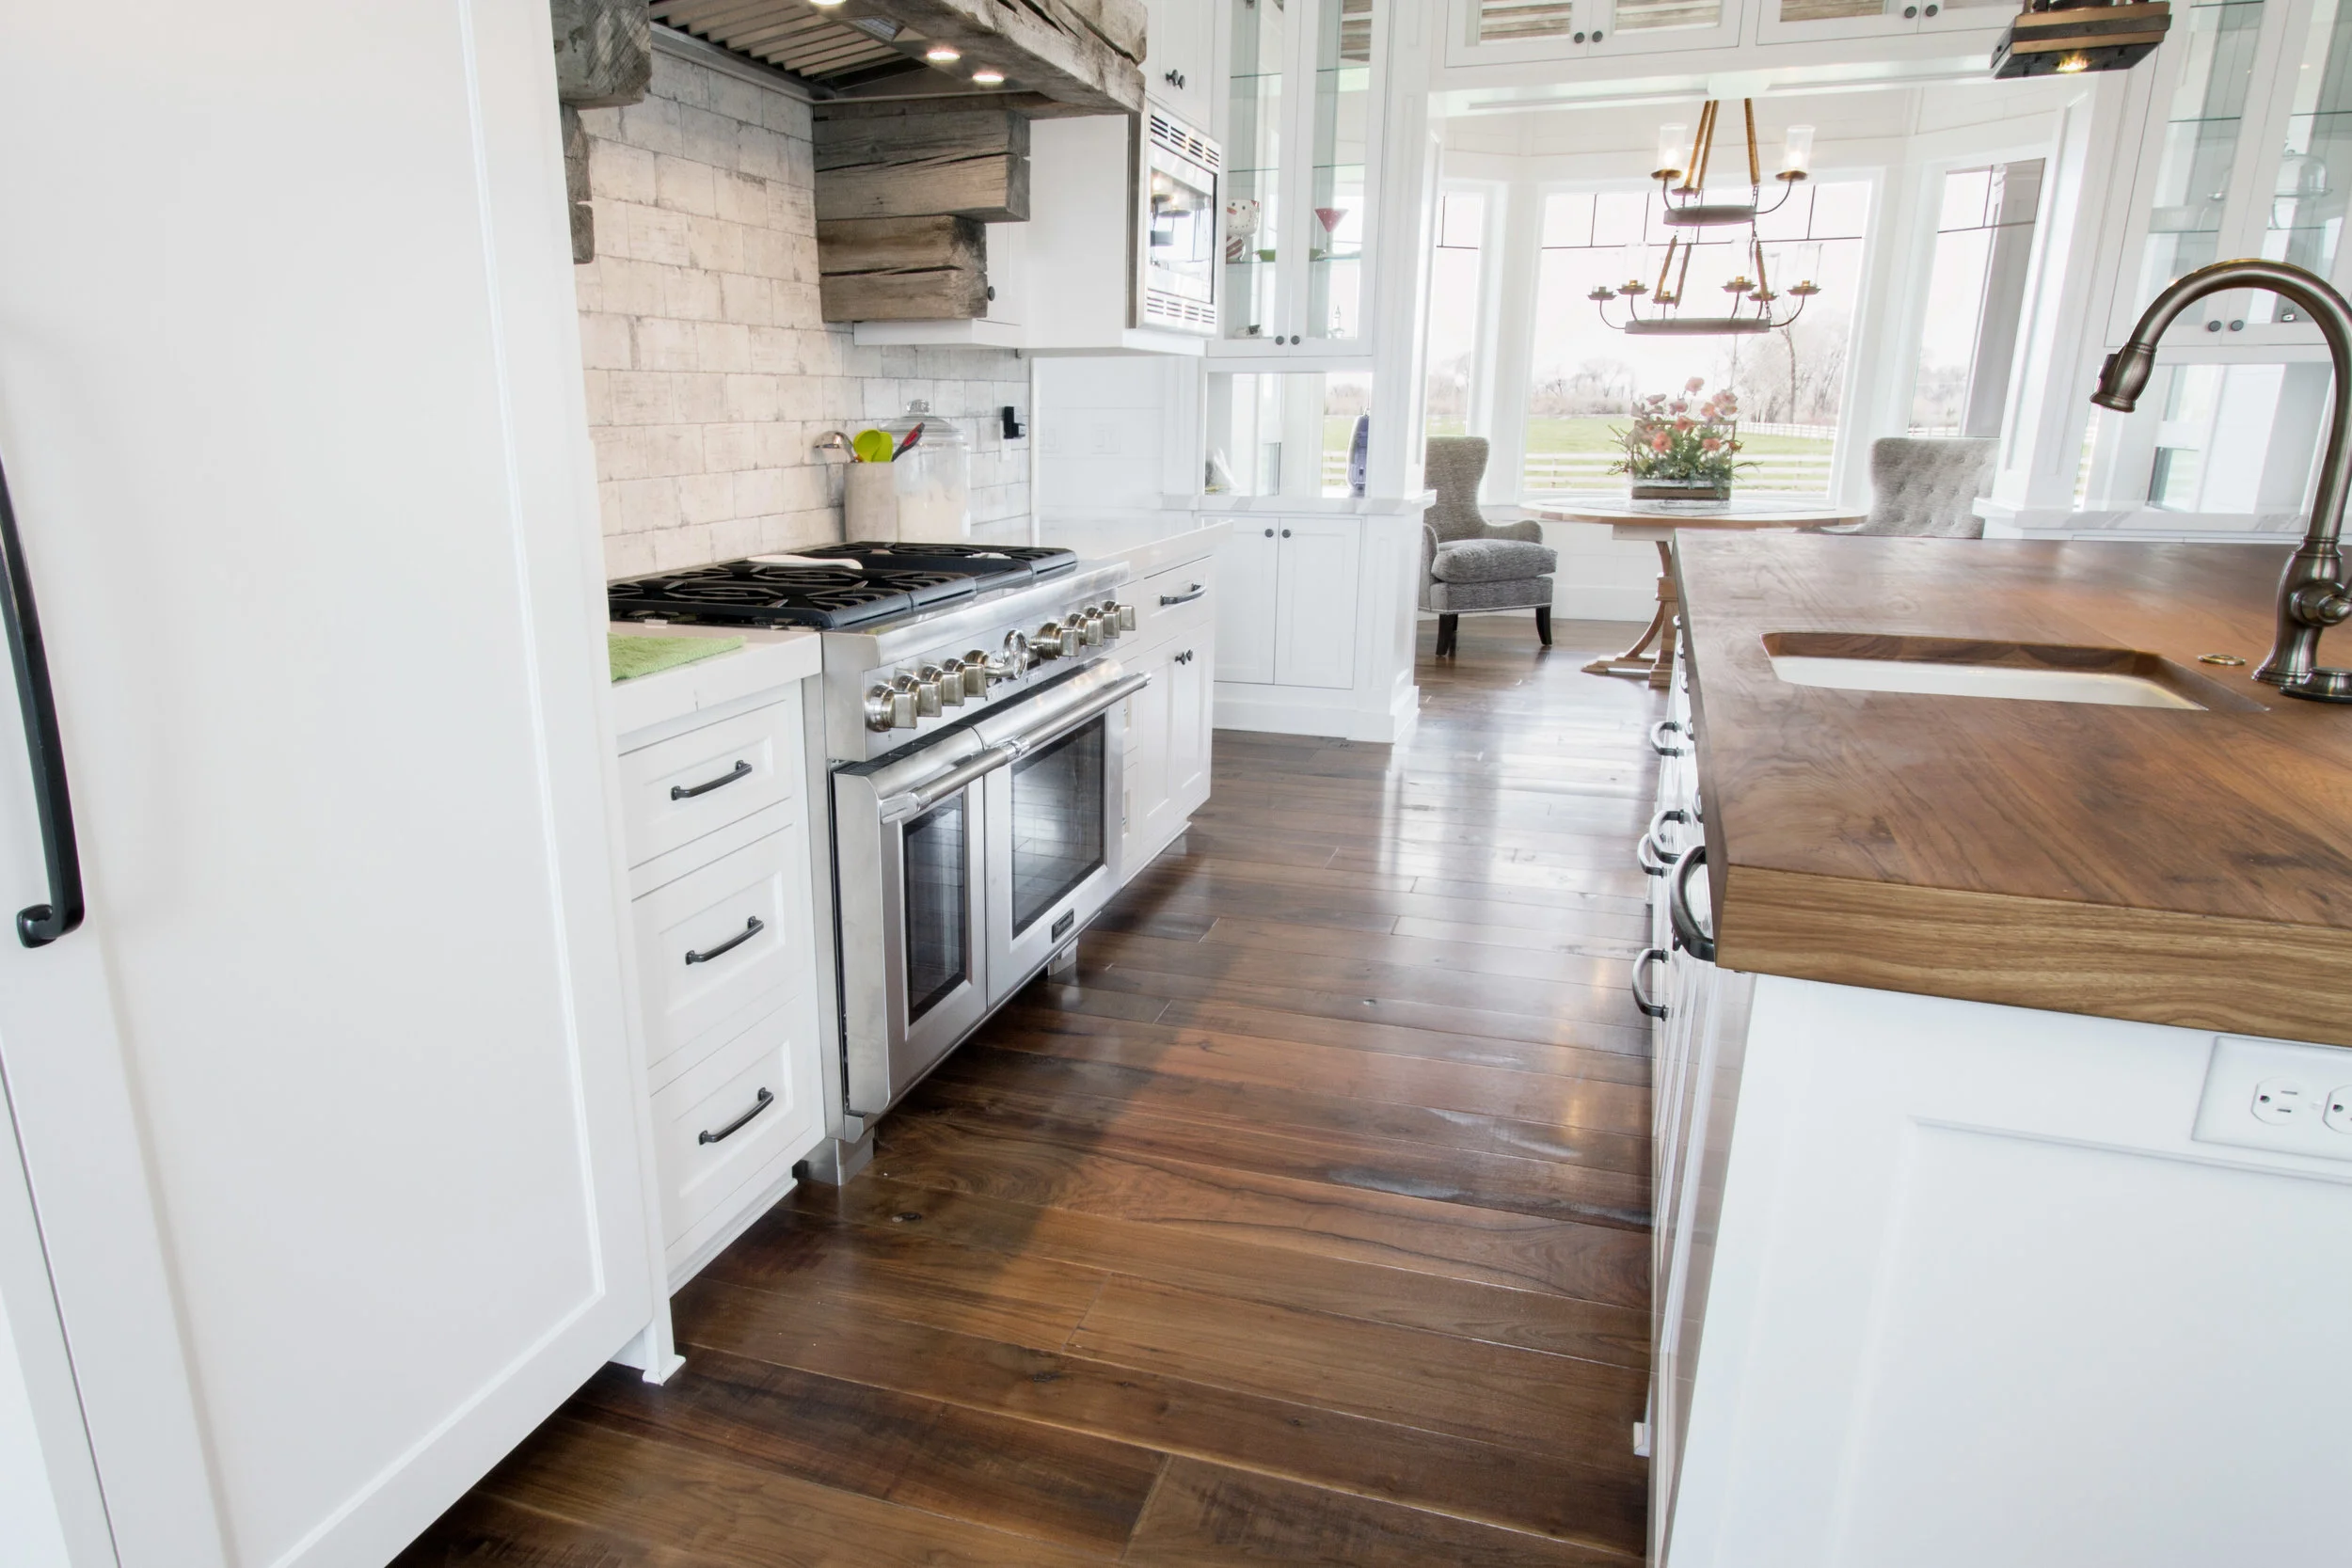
(2312, 595)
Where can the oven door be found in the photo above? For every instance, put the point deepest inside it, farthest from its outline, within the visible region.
(1052, 823)
(910, 843)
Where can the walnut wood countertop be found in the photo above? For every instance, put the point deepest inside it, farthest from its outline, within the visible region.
(2173, 866)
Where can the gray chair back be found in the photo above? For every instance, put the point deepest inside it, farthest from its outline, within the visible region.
(1922, 487)
(1453, 465)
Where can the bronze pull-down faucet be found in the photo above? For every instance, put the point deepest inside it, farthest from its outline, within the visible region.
(2312, 595)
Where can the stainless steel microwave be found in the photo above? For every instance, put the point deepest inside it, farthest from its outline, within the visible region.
(1177, 244)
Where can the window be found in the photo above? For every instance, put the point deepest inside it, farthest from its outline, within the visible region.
(1454, 298)
(1976, 287)
(1585, 375)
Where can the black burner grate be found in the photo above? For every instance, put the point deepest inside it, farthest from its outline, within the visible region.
(761, 593)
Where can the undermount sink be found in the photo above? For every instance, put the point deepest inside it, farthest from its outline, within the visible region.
(2017, 672)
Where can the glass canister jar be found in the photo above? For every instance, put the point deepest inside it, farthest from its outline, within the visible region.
(932, 479)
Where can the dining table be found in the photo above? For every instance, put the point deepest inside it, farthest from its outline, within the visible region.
(1652, 656)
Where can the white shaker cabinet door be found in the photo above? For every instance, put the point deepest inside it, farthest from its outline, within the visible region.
(1190, 723)
(1245, 583)
(1315, 606)
(327, 1107)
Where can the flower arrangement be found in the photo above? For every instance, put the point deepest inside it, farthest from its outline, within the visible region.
(1675, 449)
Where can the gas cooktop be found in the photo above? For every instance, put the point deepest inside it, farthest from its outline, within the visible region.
(774, 594)
(981, 560)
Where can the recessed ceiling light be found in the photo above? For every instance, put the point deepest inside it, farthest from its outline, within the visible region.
(941, 53)
(988, 76)
(824, 5)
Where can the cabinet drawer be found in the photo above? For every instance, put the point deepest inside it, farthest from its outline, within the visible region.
(674, 791)
(1192, 586)
(718, 940)
(716, 1138)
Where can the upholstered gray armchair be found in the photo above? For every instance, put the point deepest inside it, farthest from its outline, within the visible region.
(1923, 488)
(1468, 566)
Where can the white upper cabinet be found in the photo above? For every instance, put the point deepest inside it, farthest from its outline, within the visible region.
(2247, 151)
(1797, 21)
(1499, 32)
(1300, 127)
(1180, 59)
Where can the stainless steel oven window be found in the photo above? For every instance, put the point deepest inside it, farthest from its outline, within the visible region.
(1058, 821)
(938, 905)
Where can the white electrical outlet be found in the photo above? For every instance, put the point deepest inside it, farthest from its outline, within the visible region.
(2270, 1094)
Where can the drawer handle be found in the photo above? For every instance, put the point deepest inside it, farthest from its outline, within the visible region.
(1679, 915)
(1657, 734)
(687, 792)
(1653, 851)
(731, 1129)
(751, 927)
(1185, 597)
(1641, 992)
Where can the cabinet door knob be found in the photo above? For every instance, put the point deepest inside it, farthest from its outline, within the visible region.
(1579, 38)
(1269, 533)
(1910, 12)
(1286, 533)
(1596, 35)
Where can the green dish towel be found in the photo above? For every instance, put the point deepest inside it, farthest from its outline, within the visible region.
(633, 656)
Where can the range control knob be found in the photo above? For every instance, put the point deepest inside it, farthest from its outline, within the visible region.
(921, 701)
(1066, 638)
(976, 668)
(888, 708)
(1048, 640)
(1017, 660)
(1090, 628)
(1126, 616)
(948, 677)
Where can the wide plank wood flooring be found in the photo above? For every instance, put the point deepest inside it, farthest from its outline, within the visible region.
(1309, 1225)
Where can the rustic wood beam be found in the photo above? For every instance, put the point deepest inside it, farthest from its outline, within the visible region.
(603, 52)
(915, 159)
(903, 269)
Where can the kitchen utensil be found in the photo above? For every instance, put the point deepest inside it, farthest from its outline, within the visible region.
(872, 446)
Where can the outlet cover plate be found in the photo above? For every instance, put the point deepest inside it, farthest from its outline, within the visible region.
(2241, 1068)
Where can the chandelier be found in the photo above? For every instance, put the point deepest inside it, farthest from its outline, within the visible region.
(1753, 305)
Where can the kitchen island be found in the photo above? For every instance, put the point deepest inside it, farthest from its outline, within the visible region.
(2002, 1212)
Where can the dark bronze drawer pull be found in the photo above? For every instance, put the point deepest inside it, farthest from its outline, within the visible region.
(731, 1129)
(1688, 934)
(687, 792)
(751, 927)
(1641, 992)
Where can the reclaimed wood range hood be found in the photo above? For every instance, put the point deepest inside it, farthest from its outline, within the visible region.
(913, 155)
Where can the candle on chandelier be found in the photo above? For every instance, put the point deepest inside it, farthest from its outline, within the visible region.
(1796, 157)
(1674, 152)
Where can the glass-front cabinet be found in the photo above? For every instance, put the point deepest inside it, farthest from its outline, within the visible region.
(1300, 131)
(1499, 32)
(2247, 152)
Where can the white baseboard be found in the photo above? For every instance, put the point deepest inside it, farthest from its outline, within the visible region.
(1292, 710)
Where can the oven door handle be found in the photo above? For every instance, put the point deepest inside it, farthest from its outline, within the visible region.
(923, 797)
(1061, 724)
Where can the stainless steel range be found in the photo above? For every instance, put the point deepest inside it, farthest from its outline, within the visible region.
(971, 717)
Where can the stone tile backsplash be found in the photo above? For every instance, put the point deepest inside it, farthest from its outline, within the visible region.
(710, 375)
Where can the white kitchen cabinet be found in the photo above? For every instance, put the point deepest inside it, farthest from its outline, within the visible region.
(1168, 721)
(1248, 572)
(1300, 124)
(1314, 625)
(724, 907)
(1178, 63)
(326, 1182)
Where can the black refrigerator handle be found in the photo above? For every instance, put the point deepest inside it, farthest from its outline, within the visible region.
(38, 925)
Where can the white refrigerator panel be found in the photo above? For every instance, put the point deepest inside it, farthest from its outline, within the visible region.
(330, 1101)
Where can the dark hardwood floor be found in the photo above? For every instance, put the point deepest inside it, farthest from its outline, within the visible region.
(1309, 1225)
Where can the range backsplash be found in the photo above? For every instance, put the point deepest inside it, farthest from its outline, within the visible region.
(709, 372)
